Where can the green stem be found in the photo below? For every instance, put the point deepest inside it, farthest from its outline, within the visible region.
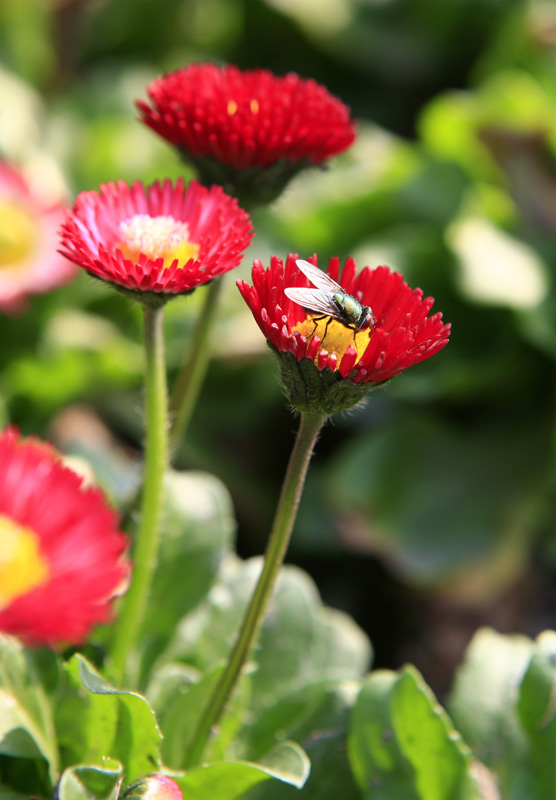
(156, 454)
(190, 378)
(309, 429)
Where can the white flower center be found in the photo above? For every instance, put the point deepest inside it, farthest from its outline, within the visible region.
(157, 237)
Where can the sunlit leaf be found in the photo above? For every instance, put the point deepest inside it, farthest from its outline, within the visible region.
(537, 713)
(27, 680)
(402, 743)
(106, 722)
(90, 782)
(230, 781)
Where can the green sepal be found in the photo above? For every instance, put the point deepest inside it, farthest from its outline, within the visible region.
(151, 299)
(322, 391)
(251, 186)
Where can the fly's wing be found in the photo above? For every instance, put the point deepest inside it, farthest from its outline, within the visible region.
(313, 300)
(319, 278)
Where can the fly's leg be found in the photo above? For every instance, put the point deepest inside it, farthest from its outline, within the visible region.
(326, 329)
(316, 321)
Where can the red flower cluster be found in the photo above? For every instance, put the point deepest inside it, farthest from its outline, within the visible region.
(29, 261)
(62, 557)
(402, 335)
(249, 118)
(164, 239)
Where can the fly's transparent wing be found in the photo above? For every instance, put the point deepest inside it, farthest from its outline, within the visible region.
(319, 278)
(314, 300)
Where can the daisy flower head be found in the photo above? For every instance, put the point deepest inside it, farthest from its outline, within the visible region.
(159, 241)
(339, 335)
(29, 261)
(62, 556)
(248, 130)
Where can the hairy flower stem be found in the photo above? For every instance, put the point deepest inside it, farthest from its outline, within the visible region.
(156, 455)
(190, 378)
(286, 512)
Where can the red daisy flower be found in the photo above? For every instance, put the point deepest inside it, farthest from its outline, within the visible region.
(62, 557)
(29, 261)
(398, 335)
(162, 240)
(248, 121)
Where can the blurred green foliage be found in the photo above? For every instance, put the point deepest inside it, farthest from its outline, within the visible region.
(447, 474)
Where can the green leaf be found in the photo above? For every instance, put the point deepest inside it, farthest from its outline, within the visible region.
(483, 702)
(230, 781)
(27, 680)
(537, 713)
(317, 716)
(301, 641)
(91, 782)
(374, 752)
(306, 657)
(427, 739)
(179, 705)
(503, 703)
(402, 745)
(305, 642)
(294, 715)
(106, 722)
(28, 777)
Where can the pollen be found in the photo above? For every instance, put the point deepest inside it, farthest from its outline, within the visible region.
(335, 337)
(157, 237)
(254, 106)
(18, 234)
(232, 108)
(22, 566)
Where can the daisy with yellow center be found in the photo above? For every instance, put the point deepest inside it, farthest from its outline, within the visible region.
(18, 234)
(329, 365)
(29, 261)
(22, 566)
(62, 557)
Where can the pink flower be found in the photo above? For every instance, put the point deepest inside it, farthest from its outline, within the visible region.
(62, 557)
(163, 240)
(29, 261)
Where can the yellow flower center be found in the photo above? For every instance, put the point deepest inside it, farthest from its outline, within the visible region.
(335, 337)
(22, 566)
(157, 237)
(18, 234)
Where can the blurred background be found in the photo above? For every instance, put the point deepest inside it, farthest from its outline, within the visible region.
(430, 510)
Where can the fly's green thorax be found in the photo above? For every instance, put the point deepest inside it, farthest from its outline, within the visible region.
(348, 305)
